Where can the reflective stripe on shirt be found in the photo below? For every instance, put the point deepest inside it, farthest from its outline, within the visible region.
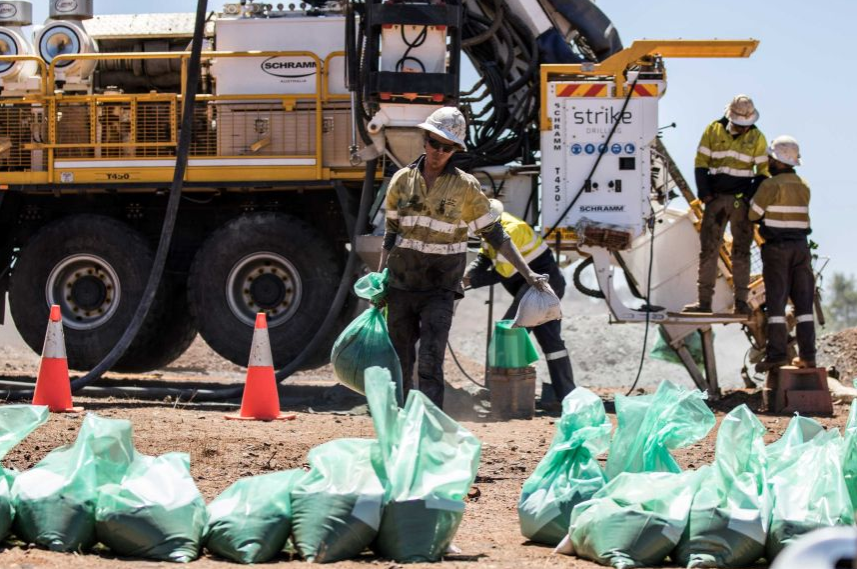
(432, 248)
(431, 223)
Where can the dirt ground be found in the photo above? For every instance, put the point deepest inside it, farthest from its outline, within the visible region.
(222, 452)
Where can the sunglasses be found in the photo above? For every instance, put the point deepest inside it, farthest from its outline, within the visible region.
(440, 146)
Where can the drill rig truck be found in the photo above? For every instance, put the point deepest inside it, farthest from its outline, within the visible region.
(299, 108)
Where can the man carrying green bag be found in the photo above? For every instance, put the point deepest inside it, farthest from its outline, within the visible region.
(569, 473)
(366, 341)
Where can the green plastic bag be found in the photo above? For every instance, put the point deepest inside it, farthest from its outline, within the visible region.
(336, 507)
(649, 426)
(636, 520)
(156, 512)
(250, 521)
(666, 353)
(16, 422)
(568, 474)
(807, 483)
(510, 347)
(373, 287)
(430, 462)
(55, 500)
(363, 344)
(731, 512)
(849, 454)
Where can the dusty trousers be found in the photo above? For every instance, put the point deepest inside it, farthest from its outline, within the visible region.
(424, 316)
(787, 270)
(718, 212)
(549, 334)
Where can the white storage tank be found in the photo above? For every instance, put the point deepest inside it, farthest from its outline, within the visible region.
(321, 35)
(13, 17)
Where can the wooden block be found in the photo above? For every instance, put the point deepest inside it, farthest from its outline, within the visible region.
(798, 390)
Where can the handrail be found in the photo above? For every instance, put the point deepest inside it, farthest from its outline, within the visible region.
(41, 63)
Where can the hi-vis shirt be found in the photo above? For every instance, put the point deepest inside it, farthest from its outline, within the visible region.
(430, 227)
(781, 206)
(729, 162)
(528, 242)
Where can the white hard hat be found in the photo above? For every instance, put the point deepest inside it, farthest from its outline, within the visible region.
(449, 123)
(785, 149)
(496, 208)
(741, 111)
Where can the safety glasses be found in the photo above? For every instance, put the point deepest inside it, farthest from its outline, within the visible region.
(440, 146)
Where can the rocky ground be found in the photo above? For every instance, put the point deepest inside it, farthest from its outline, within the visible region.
(606, 359)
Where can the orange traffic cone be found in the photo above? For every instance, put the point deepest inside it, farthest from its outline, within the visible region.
(53, 387)
(260, 402)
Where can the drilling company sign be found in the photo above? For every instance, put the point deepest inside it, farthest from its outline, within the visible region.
(290, 69)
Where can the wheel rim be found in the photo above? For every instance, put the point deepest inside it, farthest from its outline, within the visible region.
(87, 290)
(264, 282)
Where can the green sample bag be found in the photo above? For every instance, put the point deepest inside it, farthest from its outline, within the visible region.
(155, 512)
(663, 351)
(366, 341)
(649, 426)
(336, 506)
(849, 454)
(430, 462)
(807, 483)
(568, 474)
(373, 287)
(636, 520)
(250, 521)
(363, 344)
(731, 512)
(510, 347)
(55, 500)
(16, 422)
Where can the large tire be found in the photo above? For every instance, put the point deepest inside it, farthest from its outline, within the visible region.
(263, 262)
(96, 268)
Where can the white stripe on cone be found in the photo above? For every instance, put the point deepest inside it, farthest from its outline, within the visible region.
(54, 341)
(260, 350)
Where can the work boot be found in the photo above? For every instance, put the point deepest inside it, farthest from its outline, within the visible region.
(767, 365)
(701, 306)
(803, 364)
(548, 401)
(742, 308)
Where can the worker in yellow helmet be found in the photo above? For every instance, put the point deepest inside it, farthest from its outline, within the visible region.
(430, 207)
(730, 163)
(781, 207)
(491, 267)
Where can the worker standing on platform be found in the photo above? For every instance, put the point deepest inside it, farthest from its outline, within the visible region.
(730, 163)
(430, 207)
(781, 207)
(491, 267)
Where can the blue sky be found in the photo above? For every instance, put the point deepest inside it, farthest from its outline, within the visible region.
(799, 78)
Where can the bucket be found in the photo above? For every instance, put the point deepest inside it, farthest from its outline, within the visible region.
(510, 347)
(513, 392)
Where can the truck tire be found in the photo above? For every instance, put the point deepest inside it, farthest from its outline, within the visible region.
(263, 262)
(95, 268)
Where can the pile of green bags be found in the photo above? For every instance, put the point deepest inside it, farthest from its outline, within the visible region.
(16, 422)
(569, 473)
(750, 503)
(429, 463)
(366, 341)
(100, 489)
